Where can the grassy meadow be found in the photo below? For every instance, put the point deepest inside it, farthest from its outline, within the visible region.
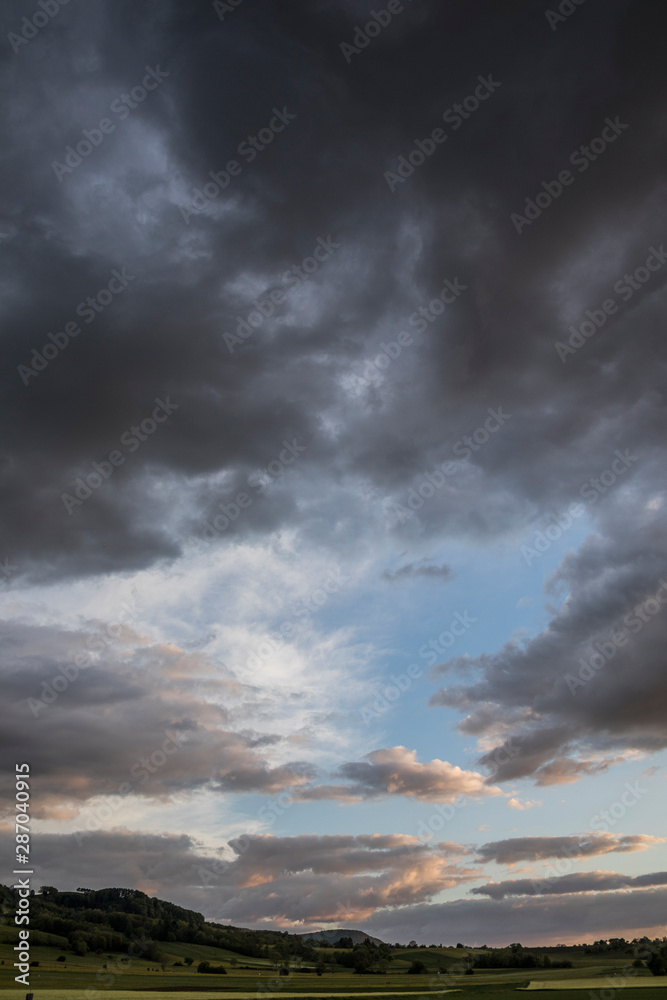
(91, 976)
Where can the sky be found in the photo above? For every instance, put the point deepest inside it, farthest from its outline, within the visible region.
(333, 556)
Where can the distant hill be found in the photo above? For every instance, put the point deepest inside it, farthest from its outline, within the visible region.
(333, 936)
(105, 920)
(111, 919)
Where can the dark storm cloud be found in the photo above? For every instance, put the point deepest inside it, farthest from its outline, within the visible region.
(136, 719)
(144, 861)
(510, 852)
(593, 682)
(356, 362)
(321, 176)
(576, 882)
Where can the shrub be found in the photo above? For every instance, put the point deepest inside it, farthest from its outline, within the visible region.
(217, 970)
(657, 965)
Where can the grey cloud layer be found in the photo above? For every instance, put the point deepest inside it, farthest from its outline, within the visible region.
(95, 730)
(105, 730)
(533, 920)
(576, 882)
(591, 687)
(311, 878)
(303, 374)
(193, 281)
(396, 771)
(379, 881)
(509, 852)
(375, 422)
(295, 378)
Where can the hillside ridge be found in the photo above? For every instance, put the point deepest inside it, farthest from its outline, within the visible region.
(331, 936)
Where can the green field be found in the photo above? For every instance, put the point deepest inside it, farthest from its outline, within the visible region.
(213, 995)
(477, 991)
(592, 984)
(141, 981)
(92, 976)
